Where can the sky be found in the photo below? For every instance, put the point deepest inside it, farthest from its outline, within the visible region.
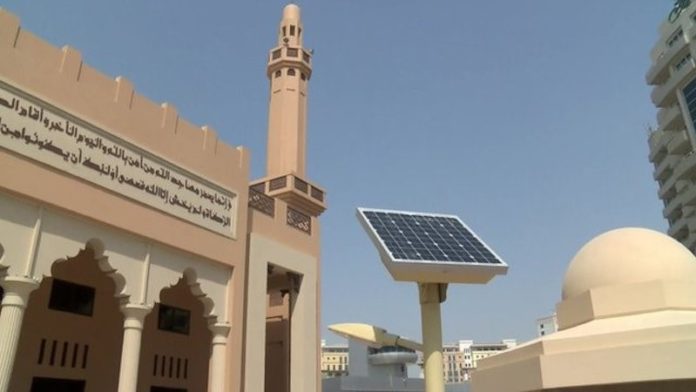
(528, 119)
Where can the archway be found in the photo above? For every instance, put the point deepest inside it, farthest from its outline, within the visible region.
(72, 330)
(176, 346)
(281, 289)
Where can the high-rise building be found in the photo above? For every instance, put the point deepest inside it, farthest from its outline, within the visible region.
(672, 142)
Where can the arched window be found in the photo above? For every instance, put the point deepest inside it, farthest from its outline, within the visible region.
(291, 72)
(303, 76)
(285, 32)
(277, 73)
(292, 30)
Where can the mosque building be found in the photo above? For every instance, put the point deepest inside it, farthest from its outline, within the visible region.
(136, 254)
(626, 323)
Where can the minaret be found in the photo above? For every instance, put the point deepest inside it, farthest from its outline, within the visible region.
(289, 69)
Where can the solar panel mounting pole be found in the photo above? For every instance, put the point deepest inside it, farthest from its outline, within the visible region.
(431, 295)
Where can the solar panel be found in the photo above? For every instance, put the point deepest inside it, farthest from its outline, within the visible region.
(430, 238)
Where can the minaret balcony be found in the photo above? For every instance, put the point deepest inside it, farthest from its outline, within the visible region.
(295, 191)
(287, 56)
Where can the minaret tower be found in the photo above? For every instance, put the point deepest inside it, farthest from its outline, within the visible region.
(289, 69)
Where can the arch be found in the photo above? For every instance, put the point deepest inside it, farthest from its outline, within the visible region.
(208, 281)
(179, 338)
(76, 295)
(96, 247)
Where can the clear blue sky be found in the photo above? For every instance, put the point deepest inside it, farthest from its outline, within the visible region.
(525, 118)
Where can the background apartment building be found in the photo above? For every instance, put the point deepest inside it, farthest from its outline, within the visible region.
(673, 75)
(334, 360)
(461, 358)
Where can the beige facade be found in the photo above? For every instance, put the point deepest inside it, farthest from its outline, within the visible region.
(673, 75)
(460, 359)
(627, 322)
(135, 252)
(334, 360)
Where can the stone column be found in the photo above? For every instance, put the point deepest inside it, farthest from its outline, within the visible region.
(17, 290)
(130, 352)
(216, 376)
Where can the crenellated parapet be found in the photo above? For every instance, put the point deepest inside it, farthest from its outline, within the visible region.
(60, 77)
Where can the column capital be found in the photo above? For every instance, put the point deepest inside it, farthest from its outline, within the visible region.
(17, 290)
(135, 315)
(220, 332)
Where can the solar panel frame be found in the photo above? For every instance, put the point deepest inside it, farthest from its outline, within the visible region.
(385, 248)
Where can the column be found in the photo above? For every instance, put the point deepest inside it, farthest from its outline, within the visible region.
(17, 290)
(130, 353)
(431, 295)
(216, 379)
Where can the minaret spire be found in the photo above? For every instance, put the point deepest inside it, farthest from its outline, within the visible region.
(289, 69)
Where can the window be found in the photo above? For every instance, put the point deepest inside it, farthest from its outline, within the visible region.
(174, 319)
(165, 389)
(284, 31)
(42, 384)
(303, 76)
(277, 73)
(71, 297)
(675, 38)
(689, 92)
(291, 72)
(292, 30)
(682, 62)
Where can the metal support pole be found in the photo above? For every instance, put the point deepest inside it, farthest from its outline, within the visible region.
(431, 295)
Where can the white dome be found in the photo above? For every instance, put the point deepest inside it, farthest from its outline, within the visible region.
(628, 255)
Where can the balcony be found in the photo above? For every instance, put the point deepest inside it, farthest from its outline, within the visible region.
(686, 167)
(289, 56)
(267, 205)
(688, 196)
(690, 240)
(304, 196)
(663, 95)
(658, 146)
(673, 211)
(679, 144)
(670, 118)
(664, 168)
(659, 71)
(679, 230)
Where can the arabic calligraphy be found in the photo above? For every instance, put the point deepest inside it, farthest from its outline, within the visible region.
(38, 132)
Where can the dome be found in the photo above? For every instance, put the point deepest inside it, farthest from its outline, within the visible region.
(291, 11)
(628, 255)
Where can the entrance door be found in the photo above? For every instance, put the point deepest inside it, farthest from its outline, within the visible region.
(40, 384)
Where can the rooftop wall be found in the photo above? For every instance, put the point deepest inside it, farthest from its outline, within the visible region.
(60, 77)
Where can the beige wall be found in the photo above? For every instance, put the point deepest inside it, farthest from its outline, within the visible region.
(304, 328)
(190, 351)
(49, 214)
(59, 78)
